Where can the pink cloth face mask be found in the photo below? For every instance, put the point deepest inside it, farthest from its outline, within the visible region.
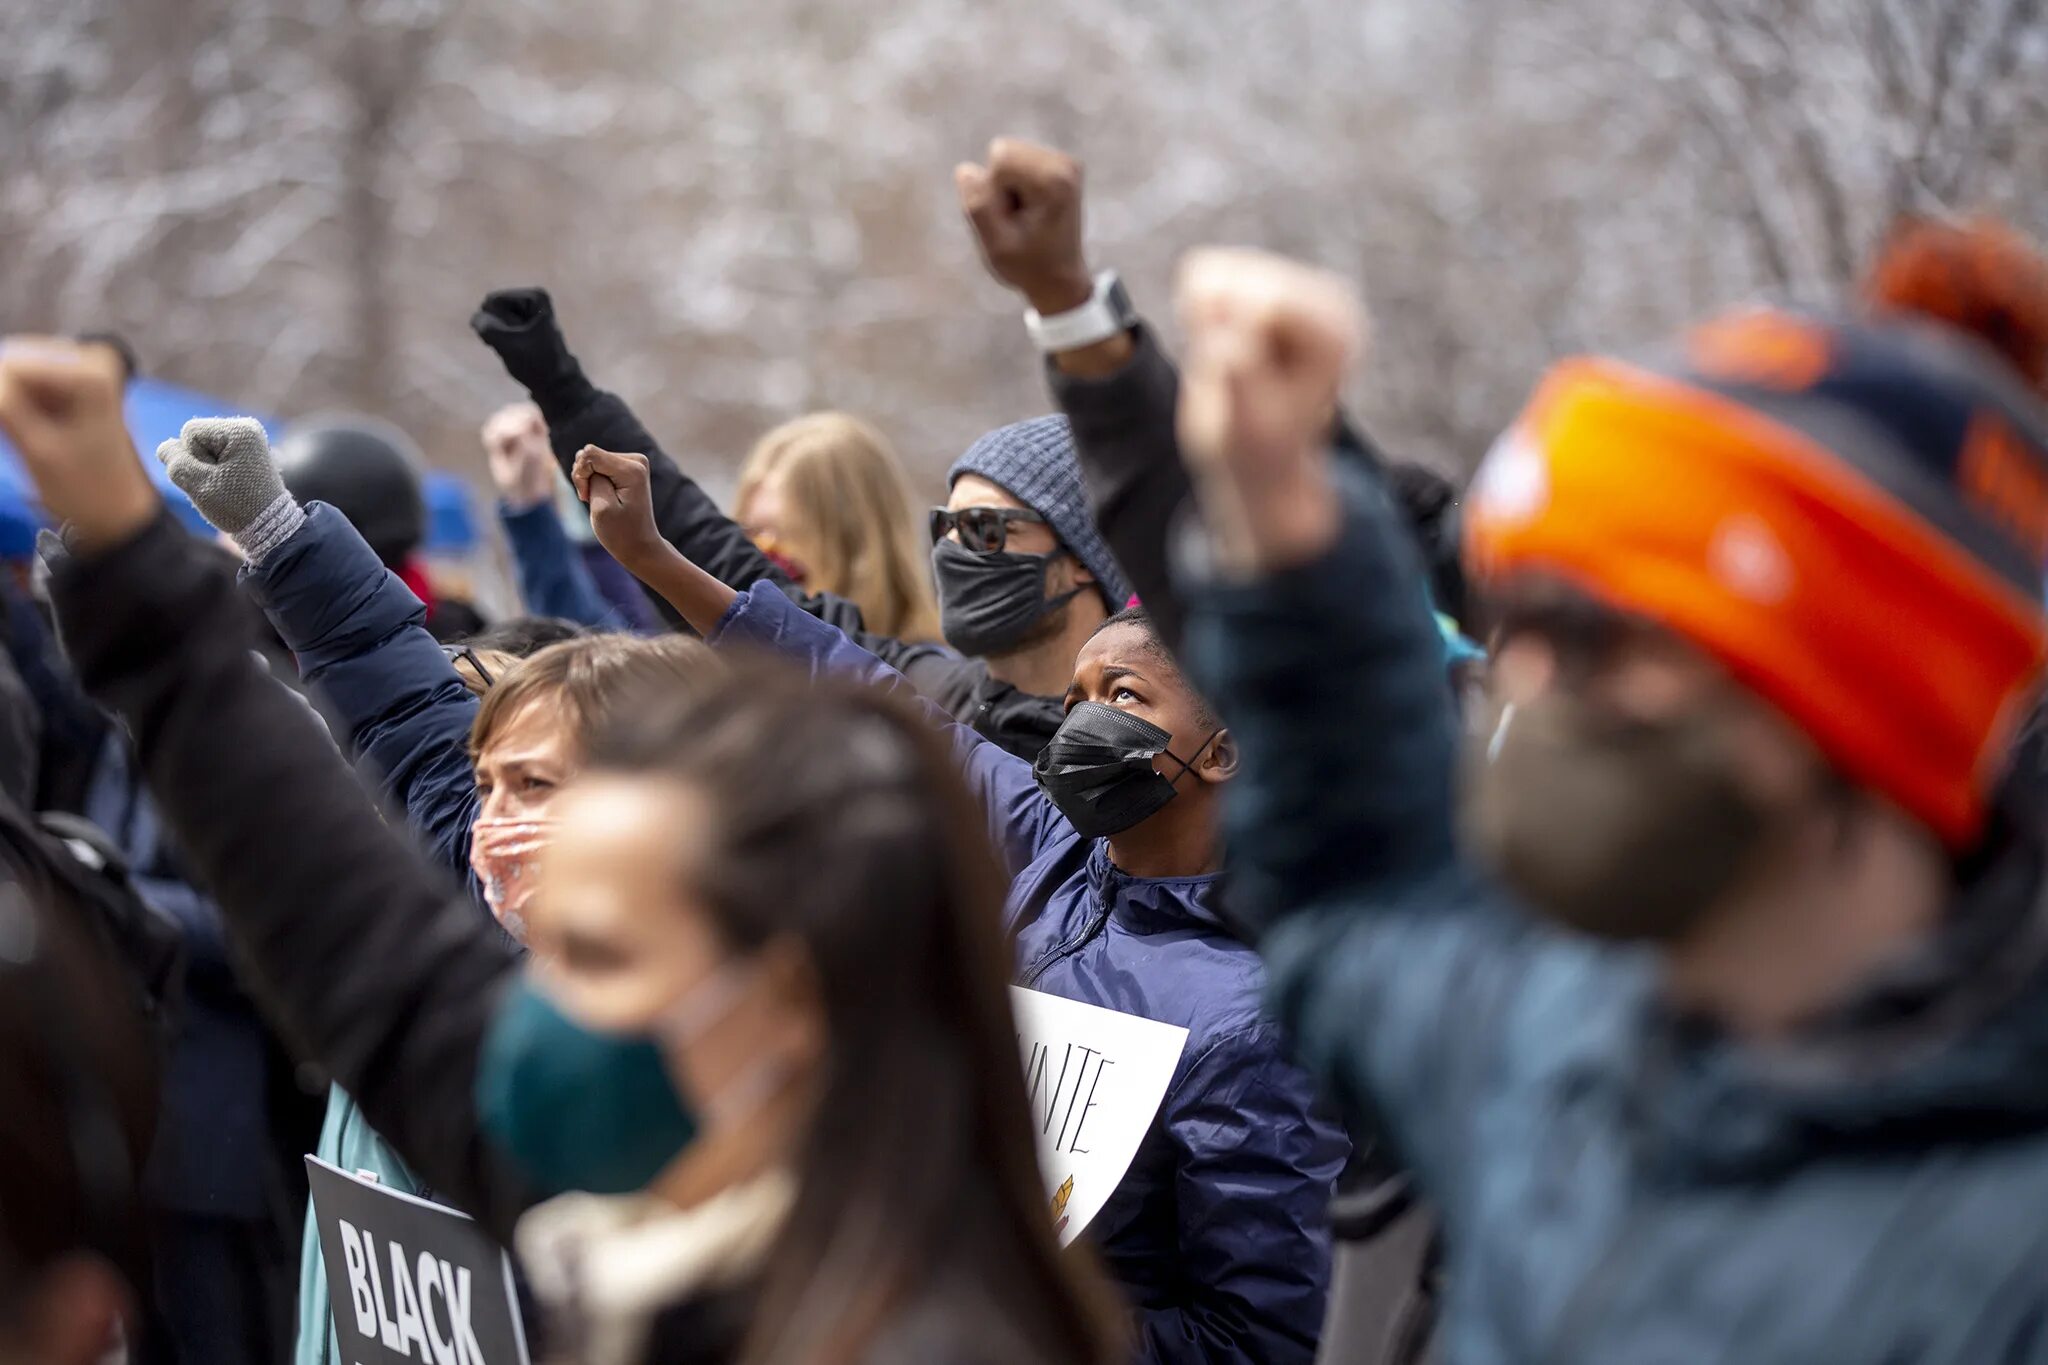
(505, 855)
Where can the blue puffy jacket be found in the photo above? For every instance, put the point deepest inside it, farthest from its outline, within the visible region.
(1219, 1233)
(1619, 1186)
(360, 638)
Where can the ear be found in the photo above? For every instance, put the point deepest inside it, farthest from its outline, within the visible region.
(1219, 761)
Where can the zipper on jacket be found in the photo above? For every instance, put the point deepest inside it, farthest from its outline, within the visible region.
(1096, 924)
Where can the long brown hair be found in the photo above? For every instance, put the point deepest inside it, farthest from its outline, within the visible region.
(854, 525)
(839, 819)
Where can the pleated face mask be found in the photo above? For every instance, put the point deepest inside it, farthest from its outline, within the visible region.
(1098, 769)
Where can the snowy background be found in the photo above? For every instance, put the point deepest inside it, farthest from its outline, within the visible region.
(745, 209)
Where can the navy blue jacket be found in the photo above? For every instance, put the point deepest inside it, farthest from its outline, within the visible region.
(1620, 1186)
(1219, 1233)
(553, 580)
(361, 640)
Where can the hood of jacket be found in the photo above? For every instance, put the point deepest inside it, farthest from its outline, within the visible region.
(1949, 1042)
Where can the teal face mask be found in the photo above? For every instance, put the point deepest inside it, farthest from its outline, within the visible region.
(577, 1109)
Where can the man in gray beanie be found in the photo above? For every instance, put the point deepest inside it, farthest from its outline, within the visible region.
(1024, 578)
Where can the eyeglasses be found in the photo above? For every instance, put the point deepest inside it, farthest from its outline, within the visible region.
(986, 529)
(464, 654)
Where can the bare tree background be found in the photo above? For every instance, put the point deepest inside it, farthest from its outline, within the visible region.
(746, 211)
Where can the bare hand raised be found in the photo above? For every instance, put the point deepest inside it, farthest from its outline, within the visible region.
(1269, 342)
(60, 404)
(619, 492)
(1025, 208)
(522, 465)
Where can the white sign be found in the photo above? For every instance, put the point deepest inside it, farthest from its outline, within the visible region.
(1095, 1079)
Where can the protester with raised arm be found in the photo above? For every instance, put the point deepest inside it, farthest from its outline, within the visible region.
(1022, 575)
(552, 579)
(769, 1065)
(1713, 1028)
(1219, 1234)
(474, 769)
(1116, 385)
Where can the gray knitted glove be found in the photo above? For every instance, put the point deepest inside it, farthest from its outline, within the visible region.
(223, 464)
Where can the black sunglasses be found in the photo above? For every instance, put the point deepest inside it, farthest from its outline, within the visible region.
(464, 654)
(986, 529)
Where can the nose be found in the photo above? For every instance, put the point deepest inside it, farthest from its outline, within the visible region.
(498, 805)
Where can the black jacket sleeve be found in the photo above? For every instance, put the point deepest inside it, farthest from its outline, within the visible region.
(1130, 461)
(370, 961)
(519, 324)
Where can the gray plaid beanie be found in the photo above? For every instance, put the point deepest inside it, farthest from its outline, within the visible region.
(1035, 463)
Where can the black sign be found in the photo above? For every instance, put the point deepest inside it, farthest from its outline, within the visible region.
(409, 1281)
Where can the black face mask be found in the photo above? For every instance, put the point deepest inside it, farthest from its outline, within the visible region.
(1098, 769)
(990, 603)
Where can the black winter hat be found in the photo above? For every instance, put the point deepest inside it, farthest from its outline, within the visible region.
(364, 468)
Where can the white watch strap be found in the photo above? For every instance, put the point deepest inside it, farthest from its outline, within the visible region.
(1093, 321)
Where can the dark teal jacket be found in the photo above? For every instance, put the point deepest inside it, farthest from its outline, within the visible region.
(1619, 1185)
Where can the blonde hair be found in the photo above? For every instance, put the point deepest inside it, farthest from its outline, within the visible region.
(855, 529)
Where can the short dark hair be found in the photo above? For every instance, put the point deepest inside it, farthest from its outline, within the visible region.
(523, 635)
(1155, 648)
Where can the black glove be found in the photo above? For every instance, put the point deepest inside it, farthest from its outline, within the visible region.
(519, 324)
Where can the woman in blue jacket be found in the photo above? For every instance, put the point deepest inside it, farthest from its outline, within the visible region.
(1219, 1231)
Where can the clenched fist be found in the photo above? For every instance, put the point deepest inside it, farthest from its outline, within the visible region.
(618, 490)
(1268, 345)
(60, 404)
(1025, 207)
(522, 465)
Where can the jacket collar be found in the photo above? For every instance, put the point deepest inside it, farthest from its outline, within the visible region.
(1950, 1042)
(1153, 905)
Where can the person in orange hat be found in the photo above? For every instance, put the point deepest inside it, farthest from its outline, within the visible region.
(1712, 1011)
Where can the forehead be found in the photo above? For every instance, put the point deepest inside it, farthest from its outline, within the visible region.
(1124, 646)
(763, 502)
(972, 490)
(537, 727)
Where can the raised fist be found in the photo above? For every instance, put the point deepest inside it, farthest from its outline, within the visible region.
(1025, 207)
(60, 404)
(522, 464)
(519, 324)
(618, 490)
(1268, 343)
(224, 465)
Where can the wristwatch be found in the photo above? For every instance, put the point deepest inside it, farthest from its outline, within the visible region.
(1107, 312)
